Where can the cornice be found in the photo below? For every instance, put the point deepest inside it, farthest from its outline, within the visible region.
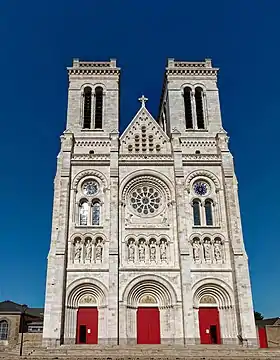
(93, 71)
(192, 72)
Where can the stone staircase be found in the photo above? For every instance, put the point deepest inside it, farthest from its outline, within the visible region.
(142, 352)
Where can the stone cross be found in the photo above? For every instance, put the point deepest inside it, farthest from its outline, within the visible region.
(143, 99)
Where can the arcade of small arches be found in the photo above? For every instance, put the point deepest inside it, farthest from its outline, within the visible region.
(152, 309)
(208, 249)
(87, 249)
(151, 250)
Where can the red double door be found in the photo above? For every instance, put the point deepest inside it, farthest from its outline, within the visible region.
(148, 325)
(209, 325)
(87, 325)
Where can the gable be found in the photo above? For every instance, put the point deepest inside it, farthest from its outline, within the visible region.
(144, 136)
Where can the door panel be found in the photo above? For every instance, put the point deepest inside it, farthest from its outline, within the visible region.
(209, 326)
(87, 325)
(148, 325)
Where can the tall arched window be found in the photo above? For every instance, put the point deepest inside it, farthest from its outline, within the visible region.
(188, 107)
(208, 212)
(98, 107)
(4, 330)
(196, 212)
(87, 107)
(199, 108)
(83, 216)
(96, 213)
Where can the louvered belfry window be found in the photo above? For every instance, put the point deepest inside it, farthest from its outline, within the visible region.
(87, 107)
(199, 108)
(188, 107)
(98, 107)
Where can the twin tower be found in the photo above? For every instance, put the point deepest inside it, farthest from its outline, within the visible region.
(146, 244)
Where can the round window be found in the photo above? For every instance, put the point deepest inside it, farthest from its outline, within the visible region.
(145, 200)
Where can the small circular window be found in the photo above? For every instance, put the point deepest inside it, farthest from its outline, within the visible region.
(145, 200)
(201, 188)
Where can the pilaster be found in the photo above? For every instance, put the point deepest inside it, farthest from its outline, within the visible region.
(242, 286)
(184, 254)
(54, 304)
(113, 301)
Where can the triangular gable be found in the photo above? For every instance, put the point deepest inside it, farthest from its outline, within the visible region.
(144, 136)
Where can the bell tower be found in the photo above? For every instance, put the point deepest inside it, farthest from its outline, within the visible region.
(190, 98)
(93, 98)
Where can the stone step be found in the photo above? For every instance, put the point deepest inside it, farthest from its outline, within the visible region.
(140, 352)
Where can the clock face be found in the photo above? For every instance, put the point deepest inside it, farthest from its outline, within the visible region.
(90, 187)
(201, 188)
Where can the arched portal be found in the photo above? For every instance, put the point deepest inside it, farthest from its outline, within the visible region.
(150, 308)
(214, 312)
(85, 316)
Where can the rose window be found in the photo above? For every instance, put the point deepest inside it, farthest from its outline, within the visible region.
(145, 200)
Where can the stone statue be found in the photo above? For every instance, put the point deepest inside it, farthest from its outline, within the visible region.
(196, 250)
(141, 252)
(78, 251)
(207, 250)
(131, 252)
(98, 252)
(163, 248)
(153, 252)
(218, 250)
(88, 250)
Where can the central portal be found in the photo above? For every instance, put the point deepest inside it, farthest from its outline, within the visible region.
(148, 325)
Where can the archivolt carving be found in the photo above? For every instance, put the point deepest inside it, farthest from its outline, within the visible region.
(146, 179)
(219, 290)
(151, 285)
(204, 173)
(86, 288)
(85, 173)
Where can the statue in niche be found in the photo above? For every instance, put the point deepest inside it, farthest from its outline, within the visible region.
(163, 250)
(207, 250)
(141, 252)
(98, 252)
(131, 251)
(153, 251)
(196, 250)
(78, 251)
(128, 219)
(88, 250)
(218, 250)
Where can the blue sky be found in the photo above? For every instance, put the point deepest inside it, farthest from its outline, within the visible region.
(40, 38)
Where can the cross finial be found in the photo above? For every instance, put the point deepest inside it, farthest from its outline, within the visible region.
(143, 99)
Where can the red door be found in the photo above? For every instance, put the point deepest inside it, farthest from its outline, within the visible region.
(87, 325)
(148, 325)
(209, 326)
(262, 338)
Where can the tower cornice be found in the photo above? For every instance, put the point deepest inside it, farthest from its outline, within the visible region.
(94, 68)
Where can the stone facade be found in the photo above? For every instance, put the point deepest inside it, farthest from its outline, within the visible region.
(124, 233)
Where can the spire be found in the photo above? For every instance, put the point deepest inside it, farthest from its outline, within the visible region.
(143, 100)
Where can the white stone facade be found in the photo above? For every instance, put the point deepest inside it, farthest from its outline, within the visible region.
(133, 240)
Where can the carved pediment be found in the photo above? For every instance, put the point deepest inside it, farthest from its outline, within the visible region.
(144, 136)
